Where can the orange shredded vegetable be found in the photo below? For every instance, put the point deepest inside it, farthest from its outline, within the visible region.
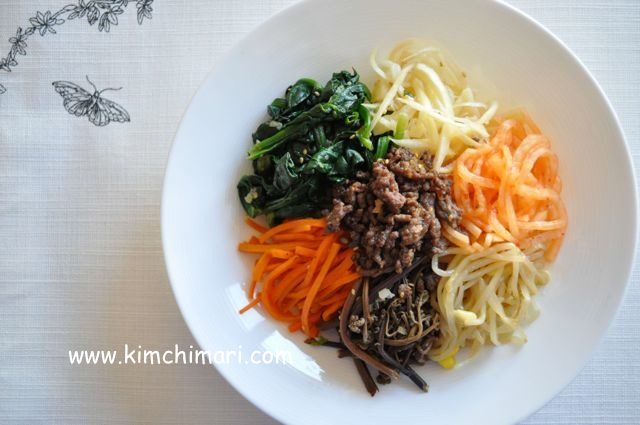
(509, 189)
(302, 276)
(258, 227)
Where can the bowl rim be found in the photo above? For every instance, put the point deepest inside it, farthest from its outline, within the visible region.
(277, 414)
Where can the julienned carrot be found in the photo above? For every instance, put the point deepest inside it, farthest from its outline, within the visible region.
(322, 249)
(293, 278)
(295, 326)
(250, 305)
(258, 227)
(328, 312)
(258, 248)
(303, 273)
(308, 302)
(339, 283)
(335, 296)
(305, 252)
(272, 276)
(281, 254)
(258, 271)
(287, 237)
(335, 281)
(301, 225)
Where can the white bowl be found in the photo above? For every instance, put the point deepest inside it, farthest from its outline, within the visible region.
(202, 220)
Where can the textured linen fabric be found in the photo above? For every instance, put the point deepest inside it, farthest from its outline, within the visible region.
(81, 264)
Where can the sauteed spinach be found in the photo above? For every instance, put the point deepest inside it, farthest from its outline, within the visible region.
(316, 136)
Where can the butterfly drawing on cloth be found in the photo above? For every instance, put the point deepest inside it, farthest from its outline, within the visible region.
(79, 102)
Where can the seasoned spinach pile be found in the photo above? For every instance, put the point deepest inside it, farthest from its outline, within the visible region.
(315, 137)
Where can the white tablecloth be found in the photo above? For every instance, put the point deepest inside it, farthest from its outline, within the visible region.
(81, 265)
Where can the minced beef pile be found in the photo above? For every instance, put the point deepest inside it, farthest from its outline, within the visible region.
(392, 213)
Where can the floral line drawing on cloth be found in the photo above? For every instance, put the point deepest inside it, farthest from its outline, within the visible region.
(103, 12)
(79, 102)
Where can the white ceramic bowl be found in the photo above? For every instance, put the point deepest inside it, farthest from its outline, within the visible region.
(202, 220)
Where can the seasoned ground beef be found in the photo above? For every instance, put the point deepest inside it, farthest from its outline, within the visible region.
(393, 213)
